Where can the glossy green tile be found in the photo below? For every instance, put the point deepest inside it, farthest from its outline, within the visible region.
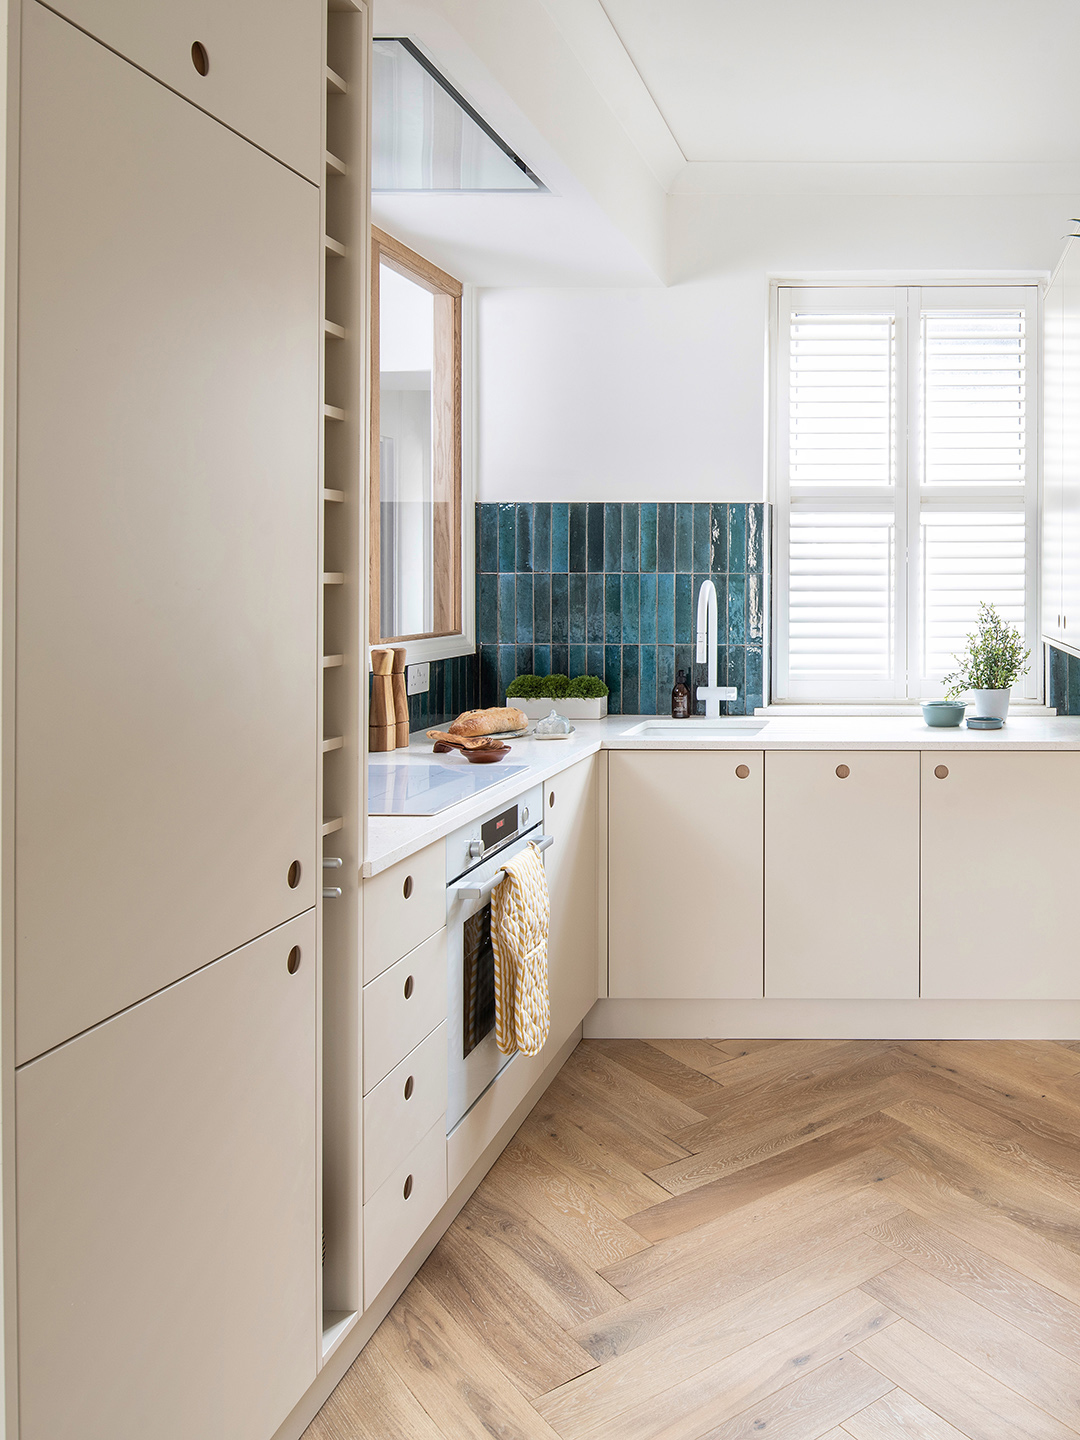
(560, 539)
(612, 608)
(647, 538)
(579, 537)
(524, 538)
(647, 609)
(629, 609)
(594, 609)
(560, 609)
(629, 703)
(665, 537)
(631, 516)
(507, 538)
(541, 546)
(612, 537)
(684, 538)
(524, 628)
(578, 609)
(596, 537)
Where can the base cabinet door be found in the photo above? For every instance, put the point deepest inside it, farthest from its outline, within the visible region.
(571, 818)
(1000, 860)
(685, 840)
(166, 1189)
(842, 875)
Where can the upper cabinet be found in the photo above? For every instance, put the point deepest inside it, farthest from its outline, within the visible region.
(168, 505)
(256, 65)
(1061, 455)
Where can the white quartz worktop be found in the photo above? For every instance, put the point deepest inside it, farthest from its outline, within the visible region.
(392, 838)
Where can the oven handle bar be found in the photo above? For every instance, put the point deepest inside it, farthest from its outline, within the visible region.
(483, 892)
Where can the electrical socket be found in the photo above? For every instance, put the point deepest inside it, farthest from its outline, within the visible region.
(416, 679)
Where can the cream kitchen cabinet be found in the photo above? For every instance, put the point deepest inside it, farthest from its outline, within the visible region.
(264, 74)
(842, 875)
(571, 818)
(167, 575)
(1053, 458)
(1000, 857)
(1070, 449)
(167, 1226)
(685, 877)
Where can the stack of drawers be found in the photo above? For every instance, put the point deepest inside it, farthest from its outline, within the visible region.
(405, 1060)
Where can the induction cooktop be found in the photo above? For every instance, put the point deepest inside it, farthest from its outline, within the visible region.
(397, 787)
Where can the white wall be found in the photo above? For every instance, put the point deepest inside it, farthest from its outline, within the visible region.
(660, 393)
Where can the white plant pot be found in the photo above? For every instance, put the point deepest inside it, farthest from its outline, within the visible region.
(992, 703)
(572, 709)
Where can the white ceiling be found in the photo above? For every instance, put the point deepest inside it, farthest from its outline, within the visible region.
(860, 80)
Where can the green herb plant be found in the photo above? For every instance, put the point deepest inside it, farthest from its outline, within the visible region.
(556, 687)
(992, 658)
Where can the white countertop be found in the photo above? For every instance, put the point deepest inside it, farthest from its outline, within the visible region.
(392, 838)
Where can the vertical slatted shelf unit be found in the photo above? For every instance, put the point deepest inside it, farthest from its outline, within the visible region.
(343, 629)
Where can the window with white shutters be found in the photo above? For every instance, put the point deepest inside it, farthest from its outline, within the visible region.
(905, 482)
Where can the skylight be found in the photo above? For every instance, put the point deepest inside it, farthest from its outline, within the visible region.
(426, 137)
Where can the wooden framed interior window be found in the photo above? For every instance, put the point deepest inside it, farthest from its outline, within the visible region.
(415, 561)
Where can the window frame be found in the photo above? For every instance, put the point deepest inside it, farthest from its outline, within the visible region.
(451, 442)
(909, 498)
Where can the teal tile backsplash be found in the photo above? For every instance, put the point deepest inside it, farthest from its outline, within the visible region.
(610, 590)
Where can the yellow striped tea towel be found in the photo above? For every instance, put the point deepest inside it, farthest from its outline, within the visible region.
(520, 912)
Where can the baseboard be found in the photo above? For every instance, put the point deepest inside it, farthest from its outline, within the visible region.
(333, 1371)
(834, 1019)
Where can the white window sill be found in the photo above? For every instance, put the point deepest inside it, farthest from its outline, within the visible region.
(898, 707)
(439, 647)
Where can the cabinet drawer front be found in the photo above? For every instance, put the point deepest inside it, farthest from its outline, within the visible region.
(403, 1005)
(402, 1108)
(394, 1221)
(265, 77)
(403, 906)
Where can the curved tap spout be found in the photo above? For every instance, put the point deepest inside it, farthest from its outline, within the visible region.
(707, 642)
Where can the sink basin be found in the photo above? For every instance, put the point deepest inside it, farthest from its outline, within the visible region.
(696, 728)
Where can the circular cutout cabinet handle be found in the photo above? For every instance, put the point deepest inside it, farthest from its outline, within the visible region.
(407, 888)
(199, 58)
(742, 771)
(941, 771)
(843, 771)
(293, 962)
(409, 986)
(406, 1189)
(410, 1086)
(295, 871)
(551, 800)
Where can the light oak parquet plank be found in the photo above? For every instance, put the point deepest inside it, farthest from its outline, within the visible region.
(653, 1107)
(810, 1407)
(1040, 1259)
(700, 1055)
(603, 1394)
(742, 1187)
(371, 1403)
(619, 1129)
(619, 1186)
(975, 1070)
(696, 1406)
(664, 1071)
(570, 1291)
(746, 1263)
(961, 1393)
(582, 1225)
(521, 1337)
(790, 1063)
(769, 1135)
(1014, 1297)
(454, 1379)
(899, 1416)
(1010, 1355)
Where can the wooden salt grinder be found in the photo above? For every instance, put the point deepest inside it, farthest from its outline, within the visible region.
(401, 698)
(382, 728)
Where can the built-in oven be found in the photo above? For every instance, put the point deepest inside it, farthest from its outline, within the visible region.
(475, 856)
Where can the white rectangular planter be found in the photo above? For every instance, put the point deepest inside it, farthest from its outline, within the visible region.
(572, 709)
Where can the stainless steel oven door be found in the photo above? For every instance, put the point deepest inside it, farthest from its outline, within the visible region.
(475, 1059)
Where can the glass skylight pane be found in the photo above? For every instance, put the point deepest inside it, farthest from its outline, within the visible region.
(426, 137)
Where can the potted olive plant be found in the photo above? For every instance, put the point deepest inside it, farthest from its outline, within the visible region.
(993, 658)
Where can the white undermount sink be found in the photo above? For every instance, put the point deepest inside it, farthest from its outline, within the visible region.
(696, 727)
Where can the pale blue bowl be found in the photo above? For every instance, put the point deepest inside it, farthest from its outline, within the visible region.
(943, 714)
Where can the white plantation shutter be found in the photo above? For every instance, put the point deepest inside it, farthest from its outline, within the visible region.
(904, 447)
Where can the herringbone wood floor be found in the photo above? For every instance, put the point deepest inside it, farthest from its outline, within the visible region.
(723, 1239)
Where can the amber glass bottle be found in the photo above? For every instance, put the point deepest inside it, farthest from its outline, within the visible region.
(680, 698)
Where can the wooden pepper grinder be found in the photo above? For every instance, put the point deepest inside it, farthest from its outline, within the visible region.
(382, 727)
(401, 698)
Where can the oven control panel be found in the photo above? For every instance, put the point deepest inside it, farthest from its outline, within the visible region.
(481, 838)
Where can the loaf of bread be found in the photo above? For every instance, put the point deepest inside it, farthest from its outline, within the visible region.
(489, 722)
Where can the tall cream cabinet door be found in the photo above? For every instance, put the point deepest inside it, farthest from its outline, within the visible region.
(1000, 860)
(842, 875)
(1070, 448)
(685, 859)
(571, 818)
(1053, 458)
(257, 65)
(168, 1234)
(167, 560)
